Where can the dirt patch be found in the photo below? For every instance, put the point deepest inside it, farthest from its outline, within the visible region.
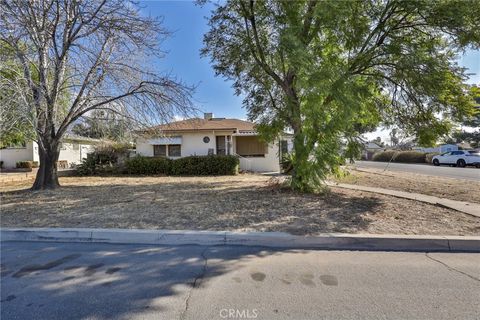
(240, 203)
(454, 189)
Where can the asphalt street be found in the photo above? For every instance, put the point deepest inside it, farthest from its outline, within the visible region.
(468, 173)
(103, 281)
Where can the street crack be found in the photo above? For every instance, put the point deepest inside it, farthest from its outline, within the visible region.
(196, 283)
(451, 268)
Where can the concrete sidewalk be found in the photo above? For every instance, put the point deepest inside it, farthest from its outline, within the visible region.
(462, 206)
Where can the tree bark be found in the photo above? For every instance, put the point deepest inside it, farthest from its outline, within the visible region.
(47, 177)
(300, 174)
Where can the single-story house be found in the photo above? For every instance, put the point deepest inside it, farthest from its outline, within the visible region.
(73, 149)
(215, 136)
(369, 149)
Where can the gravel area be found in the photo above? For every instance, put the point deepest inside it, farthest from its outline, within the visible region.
(245, 202)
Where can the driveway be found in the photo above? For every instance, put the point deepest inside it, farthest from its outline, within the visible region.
(102, 281)
(442, 171)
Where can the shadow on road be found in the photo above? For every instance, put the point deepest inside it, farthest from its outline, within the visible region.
(102, 281)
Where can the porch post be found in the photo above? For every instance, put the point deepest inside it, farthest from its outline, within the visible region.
(228, 144)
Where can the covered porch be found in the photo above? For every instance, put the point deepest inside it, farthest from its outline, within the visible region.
(253, 153)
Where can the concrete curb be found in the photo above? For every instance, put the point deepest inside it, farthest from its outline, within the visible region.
(469, 208)
(335, 241)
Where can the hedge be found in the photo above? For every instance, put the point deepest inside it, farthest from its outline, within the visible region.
(106, 159)
(384, 156)
(400, 156)
(410, 157)
(147, 165)
(27, 164)
(193, 165)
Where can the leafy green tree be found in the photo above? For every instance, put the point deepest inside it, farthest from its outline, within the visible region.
(471, 135)
(474, 120)
(15, 121)
(331, 70)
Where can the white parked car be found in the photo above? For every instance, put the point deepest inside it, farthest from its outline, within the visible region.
(460, 158)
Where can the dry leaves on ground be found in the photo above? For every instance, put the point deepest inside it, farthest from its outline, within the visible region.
(242, 203)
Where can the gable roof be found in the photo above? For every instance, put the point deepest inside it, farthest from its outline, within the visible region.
(372, 145)
(198, 124)
(76, 137)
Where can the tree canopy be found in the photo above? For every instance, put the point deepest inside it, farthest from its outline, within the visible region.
(102, 124)
(471, 134)
(332, 70)
(16, 122)
(99, 55)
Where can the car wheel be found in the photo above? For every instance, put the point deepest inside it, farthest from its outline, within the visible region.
(436, 162)
(461, 163)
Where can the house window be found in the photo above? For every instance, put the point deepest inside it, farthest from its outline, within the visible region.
(221, 150)
(75, 146)
(250, 146)
(160, 150)
(174, 150)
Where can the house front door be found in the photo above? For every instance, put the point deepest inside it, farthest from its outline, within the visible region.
(221, 145)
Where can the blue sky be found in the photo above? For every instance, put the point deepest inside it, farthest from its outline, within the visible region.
(188, 23)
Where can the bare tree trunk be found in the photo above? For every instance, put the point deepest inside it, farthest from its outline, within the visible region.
(47, 177)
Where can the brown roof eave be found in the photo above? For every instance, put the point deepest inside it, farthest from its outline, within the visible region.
(192, 130)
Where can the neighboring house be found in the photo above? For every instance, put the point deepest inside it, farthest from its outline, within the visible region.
(72, 150)
(221, 136)
(464, 146)
(439, 149)
(369, 149)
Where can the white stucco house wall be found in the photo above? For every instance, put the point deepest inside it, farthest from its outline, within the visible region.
(209, 136)
(72, 150)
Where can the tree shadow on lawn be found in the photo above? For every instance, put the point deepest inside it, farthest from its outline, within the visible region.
(187, 205)
(107, 281)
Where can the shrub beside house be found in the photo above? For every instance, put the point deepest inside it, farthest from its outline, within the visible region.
(187, 166)
(110, 159)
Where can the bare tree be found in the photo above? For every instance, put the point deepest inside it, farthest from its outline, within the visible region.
(76, 56)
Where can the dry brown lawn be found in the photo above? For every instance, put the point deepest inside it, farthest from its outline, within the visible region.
(449, 188)
(240, 203)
